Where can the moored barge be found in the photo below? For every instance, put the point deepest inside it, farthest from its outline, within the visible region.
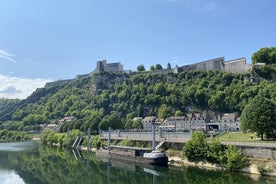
(142, 155)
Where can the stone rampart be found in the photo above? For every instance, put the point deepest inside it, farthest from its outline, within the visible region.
(236, 66)
(213, 64)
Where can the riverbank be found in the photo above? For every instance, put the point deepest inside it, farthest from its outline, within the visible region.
(264, 167)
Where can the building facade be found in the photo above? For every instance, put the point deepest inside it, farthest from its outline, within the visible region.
(193, 121)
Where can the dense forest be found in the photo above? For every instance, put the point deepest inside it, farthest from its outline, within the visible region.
(104, 99)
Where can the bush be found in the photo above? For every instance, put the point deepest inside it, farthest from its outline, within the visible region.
(196, 148)
(126, 142)
(214, 152)
(234, 158)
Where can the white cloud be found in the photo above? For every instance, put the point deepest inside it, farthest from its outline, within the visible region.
(21, 88)
(7, 56)
(10, 90)
(10, 178)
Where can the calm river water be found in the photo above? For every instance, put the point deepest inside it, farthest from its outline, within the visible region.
(30, 163)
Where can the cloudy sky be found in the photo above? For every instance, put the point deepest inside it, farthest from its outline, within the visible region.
(9, 177)
(49, 40)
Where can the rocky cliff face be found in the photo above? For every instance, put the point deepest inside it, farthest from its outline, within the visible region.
(103, 80)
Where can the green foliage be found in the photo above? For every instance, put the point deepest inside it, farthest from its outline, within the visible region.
(47, 135)
(95, 142)
(140, 68)
(101, 100)
(196, 147)
(234, 158)
(6, 103)
(259, 116)
(126, 142)
(112, 121)
(215, 151)
(163, 111)
(265, 55)
(33, 119)
(267, 72)
(158, 67)
(179, 113)
(9, 136)
(50, 165)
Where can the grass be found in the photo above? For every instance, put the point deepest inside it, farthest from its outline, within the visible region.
(239, 136)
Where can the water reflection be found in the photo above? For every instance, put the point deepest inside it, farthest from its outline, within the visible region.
(16, 146)
(51, 165)
(10, 177)
(147, 171)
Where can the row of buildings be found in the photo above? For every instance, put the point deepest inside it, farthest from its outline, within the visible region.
(189, 122)
(193, 121)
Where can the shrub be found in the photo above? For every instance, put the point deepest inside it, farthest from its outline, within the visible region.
(214, 152)
(234, 158)
(196, 148)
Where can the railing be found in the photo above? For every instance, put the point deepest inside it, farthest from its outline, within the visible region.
(177, 137)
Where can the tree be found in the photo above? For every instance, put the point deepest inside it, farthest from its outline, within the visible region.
(259, 116)
(169, 66)
(140, 68)
(265, 55)
(158, 67)
(178, 113)
(159, 89)
(33, 119)
(163, 111)
(152, 68)
(196, 148)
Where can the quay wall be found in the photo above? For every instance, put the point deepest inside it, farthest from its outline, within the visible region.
(176, 140)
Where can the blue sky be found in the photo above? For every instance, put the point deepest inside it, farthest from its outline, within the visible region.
(45, 40)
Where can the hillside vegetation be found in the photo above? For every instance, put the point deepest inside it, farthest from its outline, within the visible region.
(113, 99)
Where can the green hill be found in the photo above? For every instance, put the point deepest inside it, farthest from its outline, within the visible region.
(113, 99)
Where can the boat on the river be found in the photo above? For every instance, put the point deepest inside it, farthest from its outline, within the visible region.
(143, 155)
(150, 156)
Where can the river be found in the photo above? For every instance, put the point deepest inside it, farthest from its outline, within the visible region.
(32, 163)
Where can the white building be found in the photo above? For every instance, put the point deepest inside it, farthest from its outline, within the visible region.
(193, 121)
(230, 122)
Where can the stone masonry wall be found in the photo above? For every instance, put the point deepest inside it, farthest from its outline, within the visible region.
(213, 64)
(236, 66)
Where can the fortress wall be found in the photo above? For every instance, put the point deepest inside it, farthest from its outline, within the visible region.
(213, 64)
(102, 66)
(236, 66)
(163, 71)
(113, 67)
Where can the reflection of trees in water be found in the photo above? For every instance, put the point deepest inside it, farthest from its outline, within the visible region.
(197, 175)
(58, 166)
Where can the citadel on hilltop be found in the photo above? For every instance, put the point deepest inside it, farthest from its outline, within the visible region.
(102, 66)
(233, 66)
